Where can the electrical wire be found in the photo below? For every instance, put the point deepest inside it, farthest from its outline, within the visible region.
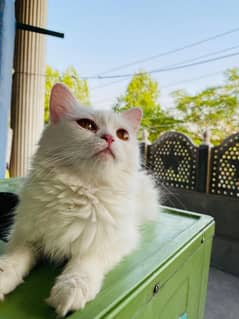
(189, 80)
(167, 69)
(169, 52)
(172, 65)
(208, 75)
(108, 84)
(202, 56)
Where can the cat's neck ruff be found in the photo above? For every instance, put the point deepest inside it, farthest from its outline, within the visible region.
(115, 180)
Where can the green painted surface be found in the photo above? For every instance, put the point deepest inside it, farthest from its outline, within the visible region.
(174, 252)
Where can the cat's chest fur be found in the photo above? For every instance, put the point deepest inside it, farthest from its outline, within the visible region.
(71, 217)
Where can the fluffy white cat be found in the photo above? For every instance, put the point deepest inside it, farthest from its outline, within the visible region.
(83, 200)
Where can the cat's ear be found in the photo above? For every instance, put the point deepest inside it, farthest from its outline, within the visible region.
(134, 116)
(62, 102)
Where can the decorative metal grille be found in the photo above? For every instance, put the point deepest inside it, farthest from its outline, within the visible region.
(224, 168)
(173, 161)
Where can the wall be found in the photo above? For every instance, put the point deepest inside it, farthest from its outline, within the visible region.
(202, 179)
(7, 32)
(225, 210)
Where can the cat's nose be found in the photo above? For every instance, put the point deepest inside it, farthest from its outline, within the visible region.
(108, 138)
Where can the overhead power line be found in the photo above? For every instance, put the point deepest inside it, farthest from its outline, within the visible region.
(208, 75)
(202, 56)
(169, 52)
(189, 80)
(108, 84)
(172, 65)
(166, 69)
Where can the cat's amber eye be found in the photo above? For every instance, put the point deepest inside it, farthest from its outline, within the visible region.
(122, 134)
(87, 124)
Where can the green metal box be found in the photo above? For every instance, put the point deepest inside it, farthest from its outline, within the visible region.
(165, 278)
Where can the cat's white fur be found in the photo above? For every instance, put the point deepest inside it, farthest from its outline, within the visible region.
(79, 206)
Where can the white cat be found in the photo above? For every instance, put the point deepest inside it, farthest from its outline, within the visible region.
(83, 200)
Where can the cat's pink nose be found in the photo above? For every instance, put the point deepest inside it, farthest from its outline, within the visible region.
(108, 138)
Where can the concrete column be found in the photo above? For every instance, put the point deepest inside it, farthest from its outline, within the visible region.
(27, 112)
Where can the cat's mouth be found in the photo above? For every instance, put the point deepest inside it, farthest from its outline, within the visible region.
(106, 152)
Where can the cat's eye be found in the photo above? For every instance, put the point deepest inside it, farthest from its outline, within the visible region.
(122, 134)
(87, 124)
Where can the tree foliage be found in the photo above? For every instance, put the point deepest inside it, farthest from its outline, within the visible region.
(215, 108)
(143, 91)
(72, 79)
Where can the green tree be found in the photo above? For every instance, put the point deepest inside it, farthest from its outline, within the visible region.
(72, 79)
(143, 91)
(214, 108)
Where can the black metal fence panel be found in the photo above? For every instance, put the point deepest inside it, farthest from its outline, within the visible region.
(224, 168)
(175, 161)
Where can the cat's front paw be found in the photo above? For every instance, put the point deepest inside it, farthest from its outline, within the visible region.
(72, 292)
(9, 278)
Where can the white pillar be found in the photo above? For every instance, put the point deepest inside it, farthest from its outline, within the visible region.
(27, 112)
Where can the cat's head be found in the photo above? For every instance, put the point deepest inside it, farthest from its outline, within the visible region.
(85, 139)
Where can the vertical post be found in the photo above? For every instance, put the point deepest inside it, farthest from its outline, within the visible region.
(7, 33)
(27, 113)
(202, 168)
(203, 163)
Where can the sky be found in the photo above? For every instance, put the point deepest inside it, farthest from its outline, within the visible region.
(103, 35)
